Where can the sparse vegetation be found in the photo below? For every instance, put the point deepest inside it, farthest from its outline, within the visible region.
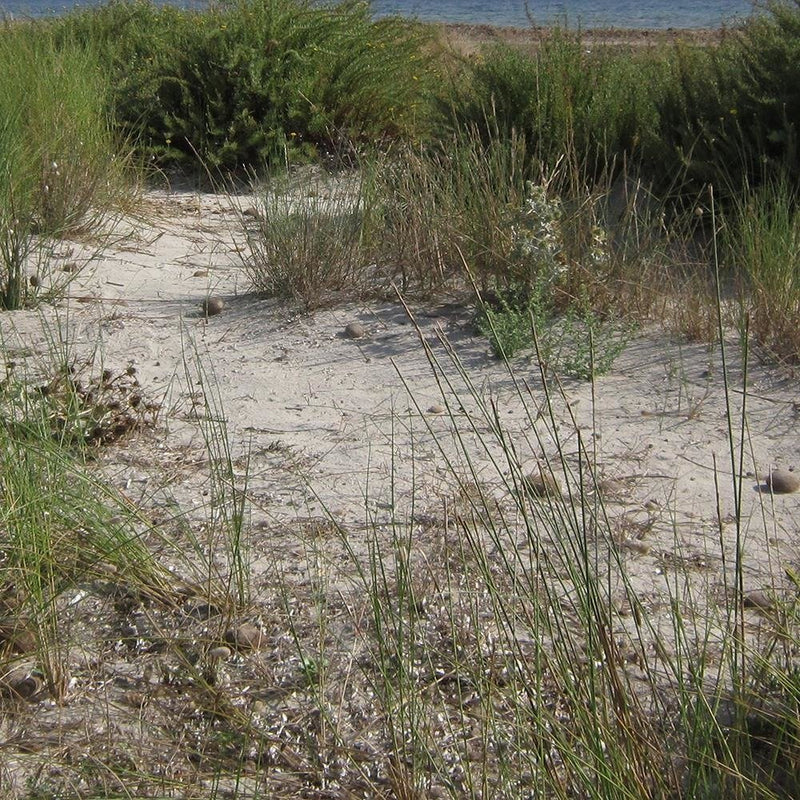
(479, 630)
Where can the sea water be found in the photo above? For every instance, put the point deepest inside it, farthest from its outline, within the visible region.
(575, 13)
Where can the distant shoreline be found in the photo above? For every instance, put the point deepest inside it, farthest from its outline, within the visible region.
(467, 38)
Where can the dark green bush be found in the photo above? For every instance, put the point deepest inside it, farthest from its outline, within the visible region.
(240, 83)
(595, 108)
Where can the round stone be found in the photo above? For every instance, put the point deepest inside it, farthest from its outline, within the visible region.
(543, 484)
(782, 481)
(757, 600)
(355, 330)
(17, 637)
(245, 637)
(212, 306)
(23, 687)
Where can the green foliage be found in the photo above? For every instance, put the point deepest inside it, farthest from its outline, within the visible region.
(534, 307)
(60, 168)
(238, 84)
(762, 240)
(593, 107)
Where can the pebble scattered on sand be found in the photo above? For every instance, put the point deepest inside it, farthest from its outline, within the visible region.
(16, 637)
(782, 481)
(543, 484)
(219, 653)
(21, 686)
(245, 637)
(354, 330)
(757, 600)
(212, 306)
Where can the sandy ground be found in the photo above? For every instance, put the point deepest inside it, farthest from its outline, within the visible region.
(352, 411)
(327, 426)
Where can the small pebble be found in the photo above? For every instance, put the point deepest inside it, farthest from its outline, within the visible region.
(637, 546)
(17, 638)
(436, 408)
(24, 687)
(212, 306)
(245, 637)
(543, 484)
(757, 600)
(782, 481)
(355, 330)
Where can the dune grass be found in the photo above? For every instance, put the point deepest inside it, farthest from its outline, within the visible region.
(62, 170)
(501, 645)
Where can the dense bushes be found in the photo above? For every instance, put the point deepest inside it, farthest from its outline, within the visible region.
(238, 83)
(684, 116)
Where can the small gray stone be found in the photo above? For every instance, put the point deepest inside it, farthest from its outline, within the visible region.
(212, 306)
(782, 481)
(543, 484)
(355, 330)
(21, 687)
(16, 636)
(245, 637)
(219, 653)
(757, 600)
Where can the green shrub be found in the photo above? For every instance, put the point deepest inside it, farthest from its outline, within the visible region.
(61, 169)
(596, 108)
(240, 83)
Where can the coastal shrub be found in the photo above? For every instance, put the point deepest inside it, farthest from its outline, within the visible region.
(597, 108)
(243, 83)
(543, 306)
(61, 168)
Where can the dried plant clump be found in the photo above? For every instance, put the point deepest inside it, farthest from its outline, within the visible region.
(94, 411)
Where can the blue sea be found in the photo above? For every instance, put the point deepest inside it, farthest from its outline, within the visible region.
(575, 13)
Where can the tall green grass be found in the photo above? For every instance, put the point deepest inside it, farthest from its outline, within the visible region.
(62, 169)
(762, 241)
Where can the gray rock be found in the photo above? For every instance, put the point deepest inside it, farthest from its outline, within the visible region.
(212, 306)
(757, 600)
(543, 484)
(245, 637)
(355, 330)
(782, 481)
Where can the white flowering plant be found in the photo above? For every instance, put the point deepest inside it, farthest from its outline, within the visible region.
(546, 294)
